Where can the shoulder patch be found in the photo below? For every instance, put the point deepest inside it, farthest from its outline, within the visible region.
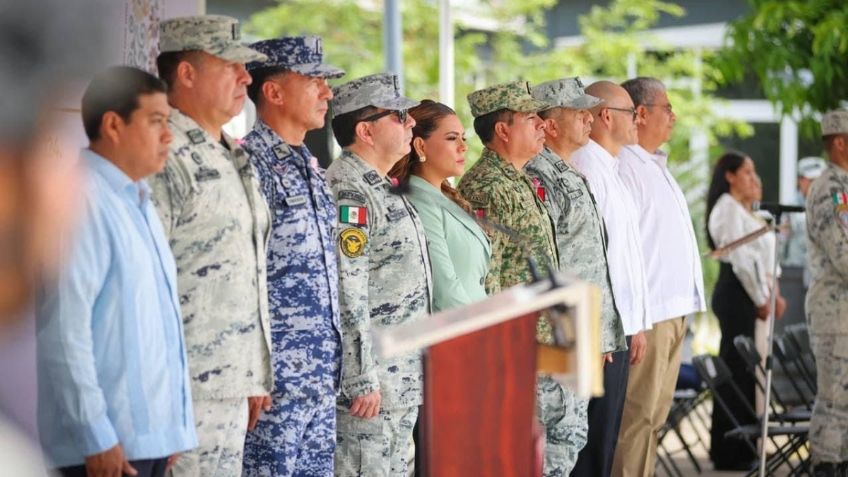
(196, 136)
(349, 214)
(371, 177)
(352, 242)
(352, 195)
(282, 151)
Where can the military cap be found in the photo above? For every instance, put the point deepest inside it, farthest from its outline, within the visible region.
(215, 34)
(835, 122)
(380, 90)
(811, 167)
(301, 54)
(514, 96)
(564, 93)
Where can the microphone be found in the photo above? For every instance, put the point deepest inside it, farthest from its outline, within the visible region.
(776, 209)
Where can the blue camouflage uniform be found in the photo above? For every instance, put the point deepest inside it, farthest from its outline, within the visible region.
(297, 436)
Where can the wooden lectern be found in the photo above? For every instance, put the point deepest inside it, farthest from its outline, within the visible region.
(480, 365)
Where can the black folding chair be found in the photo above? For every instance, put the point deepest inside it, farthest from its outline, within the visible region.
(795, 347)
(781, 411)
(719, 380)
(683, 410)
(787, 355)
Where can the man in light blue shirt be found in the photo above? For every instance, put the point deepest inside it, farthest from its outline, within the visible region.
(114, 395)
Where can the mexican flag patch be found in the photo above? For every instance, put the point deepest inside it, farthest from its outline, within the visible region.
(840, 198)
(352, 215)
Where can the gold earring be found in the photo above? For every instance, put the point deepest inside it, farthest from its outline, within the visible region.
(422, 158)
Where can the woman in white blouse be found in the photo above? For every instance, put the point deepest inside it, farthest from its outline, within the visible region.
(742, 292)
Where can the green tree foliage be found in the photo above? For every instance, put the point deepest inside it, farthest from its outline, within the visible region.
(797, 49)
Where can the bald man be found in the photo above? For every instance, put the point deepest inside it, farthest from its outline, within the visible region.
(614, 126)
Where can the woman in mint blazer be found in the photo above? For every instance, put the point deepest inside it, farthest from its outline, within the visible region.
(459, 249)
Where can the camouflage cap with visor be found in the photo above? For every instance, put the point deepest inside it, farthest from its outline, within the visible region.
(514, 96)
(565, 93)
(301, 54)
(380, 91)
(217, 35)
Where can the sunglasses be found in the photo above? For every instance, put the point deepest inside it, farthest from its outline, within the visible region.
(402, 114)
(632, 111)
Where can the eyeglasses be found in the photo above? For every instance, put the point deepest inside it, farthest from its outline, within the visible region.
(632, 111)
(402, 115)
(667, 107)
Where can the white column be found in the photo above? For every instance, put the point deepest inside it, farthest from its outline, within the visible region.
(446, 62)
(788, 159)
(393, 39)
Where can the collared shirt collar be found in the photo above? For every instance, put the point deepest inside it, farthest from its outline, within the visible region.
(608, 160)
(500, 163)
(363, 166)
(186, 123)
(121, 183)
(660, 157)
(271, 139)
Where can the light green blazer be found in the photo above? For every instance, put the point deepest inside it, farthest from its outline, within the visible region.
(459, 249)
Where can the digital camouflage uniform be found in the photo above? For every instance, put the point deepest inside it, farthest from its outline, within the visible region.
(827, 303)
(504, 195)
(384, 280)
(217, 223)
(298, 435)
(580, 240)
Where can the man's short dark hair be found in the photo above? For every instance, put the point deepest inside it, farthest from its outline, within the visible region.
(344, 125)
(484, 125)
(116, 89)
(259, 77)
(167, 64)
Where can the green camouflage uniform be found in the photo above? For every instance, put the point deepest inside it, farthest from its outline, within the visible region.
(827, 303)
(384, 280)
(506, 196)
(217, 222)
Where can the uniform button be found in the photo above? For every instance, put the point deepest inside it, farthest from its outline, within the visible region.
(482, 279)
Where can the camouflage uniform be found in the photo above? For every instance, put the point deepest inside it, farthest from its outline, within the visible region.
(384, 272)
(217, 223)
(504, 195)
(827, 303)
(297, 436)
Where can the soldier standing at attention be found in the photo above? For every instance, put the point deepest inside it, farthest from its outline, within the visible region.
(384, 277)
(298, 435)
(505, 119)
(580, 231)
(827, 299)
(217, 223)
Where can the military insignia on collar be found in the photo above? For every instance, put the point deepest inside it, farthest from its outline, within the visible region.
(196, 136)
(477, 198)
(282, 151)
(840, 199)
(372, 178)
(349, 214)
(396, 214)
(352, 241)
(540, 189)
(560, 165)
(206, 174)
